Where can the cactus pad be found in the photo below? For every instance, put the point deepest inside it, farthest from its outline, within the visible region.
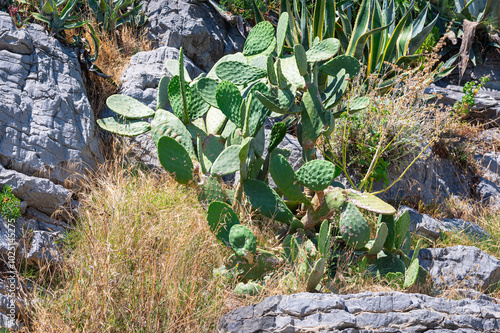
(175, 96)
(248, 289)
(175, 159)
(281, 32)
(172, 67)
(242, 240)
(227, 162)
(162, 95)
(300, 58)
(317, 175)
(207, 88)
(389, 221)
(215, 121)
(198, 107)
(239, 73)
(221, 218)
(379, 240)
(324, 238)
(124, 127)
(229, 100)
(259, 39)
(267, 201)
(290, 71)
(210, 149)
(389, 264)
(411, 274)
(167, 124)
(263, 263)
(353, 227)
(401, 227)
(257, 111)
(278, 133)
(350, 64)
(211, 191)
(369, 202)
(284, 177)
(129, 107)
(358, 104)
(316, 274)
(324, 50)
(334, 84)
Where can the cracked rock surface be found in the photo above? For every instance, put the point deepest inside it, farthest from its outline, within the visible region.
(364, 312)
(47, 127)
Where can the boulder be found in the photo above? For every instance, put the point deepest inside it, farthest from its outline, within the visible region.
(429, 227)
(364, 312)
(461, 266)
(47, 127)
(194, 25)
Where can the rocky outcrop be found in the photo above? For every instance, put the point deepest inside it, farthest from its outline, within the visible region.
(364, 312)
(47, 127)
(194, 25)
(461, 266)
(426, 226)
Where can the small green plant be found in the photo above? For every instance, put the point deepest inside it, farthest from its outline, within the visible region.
(112, 14)
(9, 205)
(57, 20)
(470, 90)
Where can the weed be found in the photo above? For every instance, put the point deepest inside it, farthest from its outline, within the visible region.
(9, 204)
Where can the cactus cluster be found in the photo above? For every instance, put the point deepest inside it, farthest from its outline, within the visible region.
(216, 128)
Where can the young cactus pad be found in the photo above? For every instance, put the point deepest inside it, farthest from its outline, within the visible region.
(324, 50)
(353, 227)
(267, 201)
(221, 218)
(369, 202)
(350, 64)
(242, 240)
(259, 39)
(247, 289)
(284, 177)
(402, 225)
(229, 101)
(378, 242)
(317, 175)
(411, 274)
(239, 73)
(175, 159)
(129, 107)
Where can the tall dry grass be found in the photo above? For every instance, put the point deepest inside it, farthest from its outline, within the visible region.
(139, 260)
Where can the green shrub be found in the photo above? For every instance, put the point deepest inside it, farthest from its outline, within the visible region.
(9, 205)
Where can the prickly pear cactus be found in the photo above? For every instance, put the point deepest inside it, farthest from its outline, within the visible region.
(175, 159)
(128, 107)
(259, 39)
(242, 240)
(317, 174)
(353, 227)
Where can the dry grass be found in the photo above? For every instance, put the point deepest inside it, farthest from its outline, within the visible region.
(140, 260)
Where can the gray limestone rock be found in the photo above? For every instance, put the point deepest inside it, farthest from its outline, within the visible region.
(461, 266)
(429, 227)
(43, 250)
(47, 127)
(364, 312)
(488, 192)
(194, 25)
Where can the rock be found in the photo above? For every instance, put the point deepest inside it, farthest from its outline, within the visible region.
(194, 25)
(490, 163)
(47, 127)
(427, 226)
(43, 250)
(430, 179)
(290, 143)
(364, 312)
(488, 192)
(462, 266)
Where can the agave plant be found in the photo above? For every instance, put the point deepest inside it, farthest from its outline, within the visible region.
(59, 21)
(112, 14)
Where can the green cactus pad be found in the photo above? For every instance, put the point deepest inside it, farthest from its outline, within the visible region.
(369, 202)
(324, 50)
(281, 32)
(128, 107)
(259, 61)
(211, 191)
(175, 96)
(215, 121)
(207, 88)
(247, 289)
(228, 161)
(417, 249)
(389, 221)
(242, 240)
(284, 177)
(221, 218)
(167, 124)
(198, 107)
(162, 95)
(317, 175)
(411, 274)
(389, 264)
(359, 104)
(335, 199)
(269, 103)
(406, 245)
(401, 227)
(286, 99)
(290, 71)
(315, 122)
(334, 84)
(380, 238)
(172, 67)
(271, 71)
(229, 100)
(278, 133)
(259, 39)
(124, 127)
(300, 58)
(210, 149)
(350, 64)
(282, 81)
(336, 97)
(353, 227)
(239, 73)
(267, 201)
(175, 159)
(324, 238)
(257, 112)
(316, 274)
